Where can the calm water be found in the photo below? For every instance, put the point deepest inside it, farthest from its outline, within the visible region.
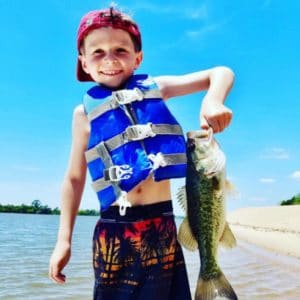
(26, 243)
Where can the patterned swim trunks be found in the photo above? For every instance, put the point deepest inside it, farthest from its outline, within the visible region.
(137, 256)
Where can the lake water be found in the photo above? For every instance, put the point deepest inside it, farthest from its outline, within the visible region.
(26, 243)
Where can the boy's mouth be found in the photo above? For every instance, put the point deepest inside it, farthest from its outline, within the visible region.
(111, 72)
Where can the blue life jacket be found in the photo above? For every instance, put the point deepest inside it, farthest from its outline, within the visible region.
(133, 134)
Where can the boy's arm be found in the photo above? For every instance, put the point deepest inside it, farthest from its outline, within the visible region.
(72, 188)
(217, 81)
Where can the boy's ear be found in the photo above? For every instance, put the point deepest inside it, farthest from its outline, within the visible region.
(138, 59)
(83, 63)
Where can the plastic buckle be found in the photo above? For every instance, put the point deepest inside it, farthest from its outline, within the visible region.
(123, 203)
(158, 160)
(117, 173)
(139, 132)
(128, 96)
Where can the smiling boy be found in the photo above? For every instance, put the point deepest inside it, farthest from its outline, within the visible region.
(132, 146)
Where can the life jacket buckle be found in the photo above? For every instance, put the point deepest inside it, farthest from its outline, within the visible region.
(123, 203)
(117, 173)
(158, 160)
(139, 132)
(128, 96)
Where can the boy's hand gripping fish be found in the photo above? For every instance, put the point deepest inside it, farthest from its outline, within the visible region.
(205, 226)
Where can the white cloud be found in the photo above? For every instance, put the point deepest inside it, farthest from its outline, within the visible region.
(295, 175)
(267, 180)
(177, 11)
(201, 32)
(194, 35)
(275, 153)
(200, 13)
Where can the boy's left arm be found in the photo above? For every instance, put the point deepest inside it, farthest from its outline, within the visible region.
(217, 81)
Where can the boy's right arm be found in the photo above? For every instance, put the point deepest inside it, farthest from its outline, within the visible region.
(72, 189)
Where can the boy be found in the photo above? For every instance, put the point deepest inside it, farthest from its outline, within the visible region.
(135, 250)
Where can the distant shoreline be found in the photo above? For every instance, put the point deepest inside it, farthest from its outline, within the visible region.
(36, 208)
(274, 228)
(37, 214)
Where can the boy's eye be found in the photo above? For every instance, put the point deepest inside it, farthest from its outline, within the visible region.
(98, 51)
(121, 50)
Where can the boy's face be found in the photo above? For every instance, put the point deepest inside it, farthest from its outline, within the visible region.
(109, 57)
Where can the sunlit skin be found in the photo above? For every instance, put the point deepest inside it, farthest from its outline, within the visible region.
(108, 55)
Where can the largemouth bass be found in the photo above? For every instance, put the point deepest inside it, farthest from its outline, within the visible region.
(205, 225)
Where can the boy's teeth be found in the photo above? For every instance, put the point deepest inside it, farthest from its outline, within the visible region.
(111, 72)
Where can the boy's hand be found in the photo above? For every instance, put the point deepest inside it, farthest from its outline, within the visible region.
(59, 258)
(215, 115)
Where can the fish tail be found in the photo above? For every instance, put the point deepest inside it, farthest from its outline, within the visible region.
(212, 288)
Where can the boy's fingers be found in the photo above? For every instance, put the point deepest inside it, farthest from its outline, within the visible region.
(56, 276)
(60, 278)
(229, 118)
(215, 125)
(203, 123)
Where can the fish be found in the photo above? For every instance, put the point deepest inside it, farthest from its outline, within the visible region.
(203, 199)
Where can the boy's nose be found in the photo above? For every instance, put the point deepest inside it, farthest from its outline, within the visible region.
(110, 58)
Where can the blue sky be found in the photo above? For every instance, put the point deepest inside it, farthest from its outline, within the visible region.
(257, 39)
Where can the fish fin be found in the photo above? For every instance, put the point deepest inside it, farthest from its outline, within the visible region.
(215, 288)
(230, 189)
(227, 239)
(186, 237)
(181, 198)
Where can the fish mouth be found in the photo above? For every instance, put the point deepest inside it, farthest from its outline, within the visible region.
(202, 136)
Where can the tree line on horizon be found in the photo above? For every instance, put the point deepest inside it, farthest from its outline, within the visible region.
(37, 207)
(295, 200)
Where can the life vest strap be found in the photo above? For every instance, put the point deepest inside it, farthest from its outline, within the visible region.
(100, 184)
(123, 203)
(175, 158)
(137, 132)
(115, 173)
(111, 169)
(122, 97)
(163, 160)
(127, 96)
(133, 133)
(112, 174)
(141, 132)
(101, 151)
(121, 196)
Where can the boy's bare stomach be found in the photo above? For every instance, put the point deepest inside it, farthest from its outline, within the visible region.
(150, 191)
